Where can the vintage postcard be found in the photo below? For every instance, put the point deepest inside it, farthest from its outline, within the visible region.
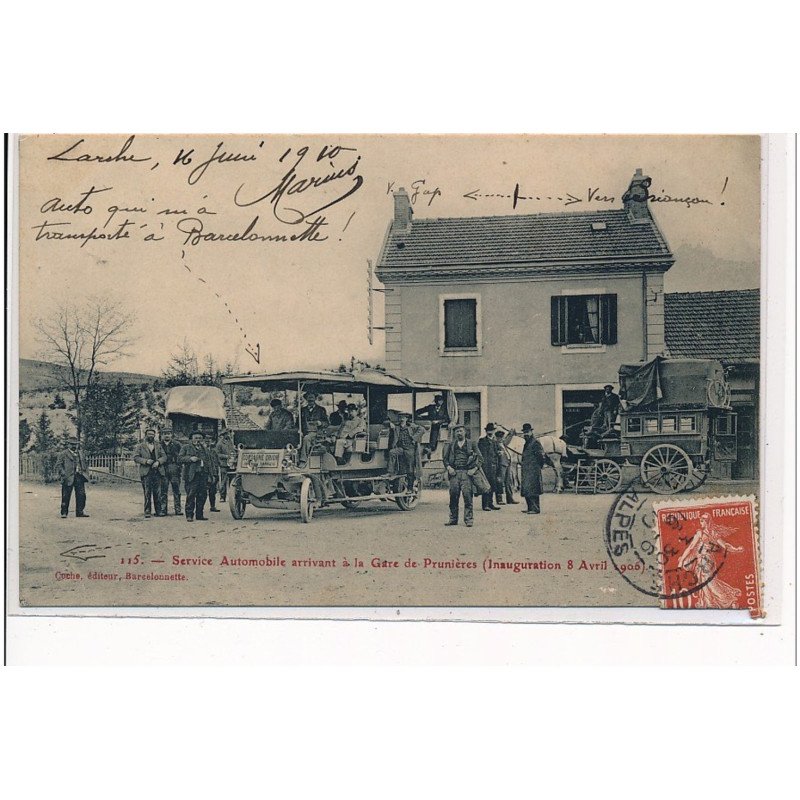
(496, 372)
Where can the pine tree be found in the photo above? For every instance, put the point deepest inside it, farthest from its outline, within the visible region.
(43, 433)
(25, 433)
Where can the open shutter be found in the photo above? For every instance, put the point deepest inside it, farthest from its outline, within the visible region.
(558, 320)
(608, 318)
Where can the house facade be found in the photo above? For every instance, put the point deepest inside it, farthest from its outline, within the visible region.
(525, 316)
(724, 325)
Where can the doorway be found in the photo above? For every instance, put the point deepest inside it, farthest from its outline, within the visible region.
(746, 465)
(469, 414)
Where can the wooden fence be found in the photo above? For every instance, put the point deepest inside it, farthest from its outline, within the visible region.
(39, 466)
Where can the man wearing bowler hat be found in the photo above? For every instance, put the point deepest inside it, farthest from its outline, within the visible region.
(533, 459)
(195, 476)
(490, 452)
(74, 474)
(462, 459)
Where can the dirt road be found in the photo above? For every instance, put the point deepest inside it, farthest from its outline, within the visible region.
(375, 555)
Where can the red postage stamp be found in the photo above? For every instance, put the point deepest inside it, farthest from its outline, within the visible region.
(709, 554)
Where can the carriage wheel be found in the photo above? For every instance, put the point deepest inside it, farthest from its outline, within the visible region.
(608, 475)
(308, 500)
(698, 475)
(407, 503)
(665, 469)
(236, 501)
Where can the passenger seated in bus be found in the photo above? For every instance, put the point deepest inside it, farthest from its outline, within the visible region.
(437, 414)
(315, 435)
(352, 427)
(312, 412)
(281, 419)
(340, 415)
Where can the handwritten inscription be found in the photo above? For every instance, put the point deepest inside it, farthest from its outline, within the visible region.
(590, 196)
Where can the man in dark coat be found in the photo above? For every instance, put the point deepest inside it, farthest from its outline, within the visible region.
(150, 457)
(340, 415)
(194, 459)
(74, 474)
(609, 407)
(172, 468)
(491, 465)
(462, 459)
(533, 459)
(437, 414)
(213, 470)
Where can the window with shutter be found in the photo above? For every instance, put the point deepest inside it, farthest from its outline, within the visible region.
(460, 324)
(583, 319)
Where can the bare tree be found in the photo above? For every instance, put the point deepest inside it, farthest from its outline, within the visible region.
(81, 339)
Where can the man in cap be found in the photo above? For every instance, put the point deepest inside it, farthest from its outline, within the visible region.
(462, 459)
(281, 419)
(404, 448)
(74, 474)
(172, 470)
(213, 470)
(609, 407)
(150, 457)
(491, 463)
(225, 449)
(194, 459)
(533, 459)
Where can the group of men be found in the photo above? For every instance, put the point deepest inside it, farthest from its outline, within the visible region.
(485, 468)
(201, 463)
(340, 430)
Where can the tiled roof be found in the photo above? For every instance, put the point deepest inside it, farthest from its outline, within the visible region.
(565, 236)
(239, 421)
(723, 325)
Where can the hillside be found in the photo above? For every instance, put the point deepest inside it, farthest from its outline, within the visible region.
(38, 376)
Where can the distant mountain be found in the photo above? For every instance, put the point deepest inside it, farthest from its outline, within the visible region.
(38, 375)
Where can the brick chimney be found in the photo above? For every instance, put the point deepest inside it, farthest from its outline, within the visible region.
(635, 199)
(402, 210)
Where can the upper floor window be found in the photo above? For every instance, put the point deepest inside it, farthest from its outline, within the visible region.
(460, 324)
(583, 319)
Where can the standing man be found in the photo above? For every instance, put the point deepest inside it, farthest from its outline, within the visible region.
(504, 470)
(213, 470)
(491, 463)
(404, 446)
(609, 406)
(462, 460)
(533, 459)
(195, 476)
(225, 449)
(281, 419)
(74, 474)
(172, 469)
(150, 457)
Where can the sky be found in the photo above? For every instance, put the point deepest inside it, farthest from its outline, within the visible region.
(303, 303)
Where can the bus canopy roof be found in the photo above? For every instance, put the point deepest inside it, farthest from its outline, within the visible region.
(196, 401)
(334, 381)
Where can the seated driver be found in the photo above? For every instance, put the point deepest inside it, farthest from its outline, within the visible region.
(351, 427)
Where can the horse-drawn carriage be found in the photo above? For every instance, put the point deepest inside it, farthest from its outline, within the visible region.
(675, 420)
(269, 472)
